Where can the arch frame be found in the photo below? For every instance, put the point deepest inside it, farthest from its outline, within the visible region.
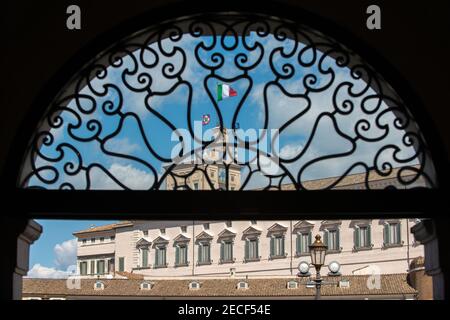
(99, 44)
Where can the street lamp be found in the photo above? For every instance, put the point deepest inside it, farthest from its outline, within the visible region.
(318, 250)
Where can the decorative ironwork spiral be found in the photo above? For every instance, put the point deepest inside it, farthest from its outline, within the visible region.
(335, 117)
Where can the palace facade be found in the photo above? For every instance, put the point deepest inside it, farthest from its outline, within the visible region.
(243, 248)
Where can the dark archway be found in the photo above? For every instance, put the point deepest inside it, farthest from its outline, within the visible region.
(239, 203)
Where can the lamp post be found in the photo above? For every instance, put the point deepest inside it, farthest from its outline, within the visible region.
(318, 251)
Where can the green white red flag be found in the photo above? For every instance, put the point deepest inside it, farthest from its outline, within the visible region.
(225, 91)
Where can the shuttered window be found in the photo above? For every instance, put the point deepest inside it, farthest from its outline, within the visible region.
(83, 268)
(252, 250)
(303, 242)
(100, 266)
(392, 233)
(363, 241)
(362, 237)
(331, 239)
(226, 251)
(277, 246)
(160, 256)
(92, 271)
(204, 252)
(121, 264)
(144, 252)
(181, 254)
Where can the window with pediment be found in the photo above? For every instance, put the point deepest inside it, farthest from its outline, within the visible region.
(332, 235)
(181, 244)
(277, 236)
(303, 230)
(143, 246)
(226, 241)
(160, 247)
(204, 252)
(204, 241)
(251, 237)
(392, 233)
(362, 235)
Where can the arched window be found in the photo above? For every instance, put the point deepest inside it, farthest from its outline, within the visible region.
(146, 285)
(242, 285)
(99, 285)
(264, 102)
(194, 285)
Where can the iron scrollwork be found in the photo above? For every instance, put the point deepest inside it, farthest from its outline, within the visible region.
(334, 115)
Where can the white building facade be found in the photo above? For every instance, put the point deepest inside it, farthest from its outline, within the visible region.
(170, 249)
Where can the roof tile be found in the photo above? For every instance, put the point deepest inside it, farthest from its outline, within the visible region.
(391, 284)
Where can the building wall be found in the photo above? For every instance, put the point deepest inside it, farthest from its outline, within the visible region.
(125, 247)
(216, 156)
(106, 247)
(88, 251)
(423, 283)
(190, 177)
(377, 259)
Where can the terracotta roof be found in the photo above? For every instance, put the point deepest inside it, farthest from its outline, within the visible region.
(107, 227)
(130, 275)
(353, 180)
(392, 284)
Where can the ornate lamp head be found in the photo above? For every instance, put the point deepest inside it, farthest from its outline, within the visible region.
(318, 251)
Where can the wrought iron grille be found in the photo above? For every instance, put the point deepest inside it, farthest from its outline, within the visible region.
(287, 108)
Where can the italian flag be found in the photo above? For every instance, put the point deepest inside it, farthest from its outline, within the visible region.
(225, 91)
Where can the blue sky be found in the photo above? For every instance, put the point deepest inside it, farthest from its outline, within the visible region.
(54, 250)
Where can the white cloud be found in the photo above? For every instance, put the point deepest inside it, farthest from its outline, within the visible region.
(39, 271)
(289, 151)
(66, 253)
(65, 262)
(58, 134)
(257, 179)
(128, 175)
(122, 146)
